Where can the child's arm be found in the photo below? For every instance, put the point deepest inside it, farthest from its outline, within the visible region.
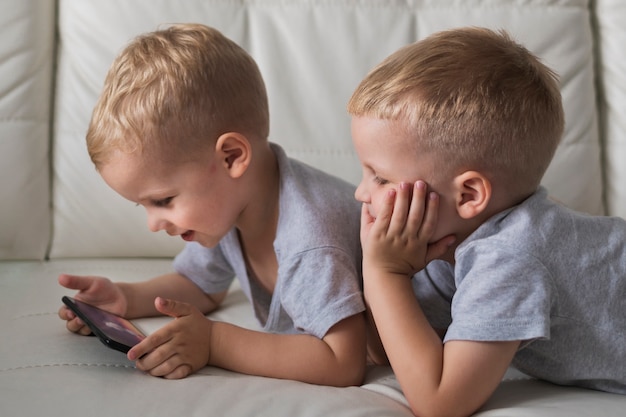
(191, 341)
(453, 379)
(132, 300)
(141, 296)
(375, 349)
(338, 359)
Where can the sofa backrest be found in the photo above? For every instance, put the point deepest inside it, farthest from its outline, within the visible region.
(312, 55)
(609, 19)
(26, 74)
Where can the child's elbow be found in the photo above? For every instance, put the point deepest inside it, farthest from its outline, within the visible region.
(349, 375)
(438, 408)
(347, 341)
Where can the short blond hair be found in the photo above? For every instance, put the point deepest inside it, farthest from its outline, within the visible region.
(475, 98)
(175, 89)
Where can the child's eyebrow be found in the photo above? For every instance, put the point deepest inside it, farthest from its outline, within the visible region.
(367, 166)
(371, 168)
(155, 195)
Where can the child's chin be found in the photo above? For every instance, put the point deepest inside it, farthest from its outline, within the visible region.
(206, 242)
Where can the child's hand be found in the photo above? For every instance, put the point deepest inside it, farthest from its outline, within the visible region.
(179, 348)
(397, 240)
(97, 291)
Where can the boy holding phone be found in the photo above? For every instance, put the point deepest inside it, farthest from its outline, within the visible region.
(181, 128)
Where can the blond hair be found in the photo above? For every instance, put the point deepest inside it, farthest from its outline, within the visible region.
(175, 89)
(475, 98)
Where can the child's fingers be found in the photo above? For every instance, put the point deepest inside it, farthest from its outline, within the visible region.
(398, 219)
(172, 308)
(173, 368)
(152, 357)
(366, 217)
(366, 222)
(383, 217)
(418, 207)
(75, 282)
(81, 327)
(149, 345)
(65, 313)
(182, 371)
(439, 248)
(164, 363)
(153, 344)
(73, 323)
(429, 221)
(76, 325)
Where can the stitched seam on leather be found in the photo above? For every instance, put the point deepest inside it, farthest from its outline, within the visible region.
(29, 315)
(59, 365)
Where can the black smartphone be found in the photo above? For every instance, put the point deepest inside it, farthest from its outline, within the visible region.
(114, 331)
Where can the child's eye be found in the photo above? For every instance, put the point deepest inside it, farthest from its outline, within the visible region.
(380, 181)
(163, 202)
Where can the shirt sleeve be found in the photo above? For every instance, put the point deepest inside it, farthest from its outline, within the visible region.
(319, 288)
(434, 288)
(501, 295)
(208, 268)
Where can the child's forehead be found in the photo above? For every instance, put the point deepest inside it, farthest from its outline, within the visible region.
(392, 134)
(118, 158)
(156, 152)
(124, 170)
(135, 160)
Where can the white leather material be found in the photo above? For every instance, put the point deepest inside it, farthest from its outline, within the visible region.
(611, 50)
(45, 370)
(312, 55)
(26, 57)
(71, 375)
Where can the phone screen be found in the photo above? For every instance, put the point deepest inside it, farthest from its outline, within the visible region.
(114, 331)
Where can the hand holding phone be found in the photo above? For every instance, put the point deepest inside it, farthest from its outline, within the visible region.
(114, 331)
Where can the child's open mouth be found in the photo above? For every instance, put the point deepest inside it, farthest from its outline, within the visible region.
(187, 236)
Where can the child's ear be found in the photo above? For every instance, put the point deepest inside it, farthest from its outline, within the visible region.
(473, 193)
(235, 153)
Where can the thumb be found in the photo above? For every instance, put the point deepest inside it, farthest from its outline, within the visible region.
(440, 247)
(172, 308)
(74, 282)
(366, 221)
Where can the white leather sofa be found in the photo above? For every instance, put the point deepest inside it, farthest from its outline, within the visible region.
(56, 215)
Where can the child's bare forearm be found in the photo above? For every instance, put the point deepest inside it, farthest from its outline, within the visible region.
(375, 349)
(453, 379)
(414, 351)
(337, 360)
(141, 295)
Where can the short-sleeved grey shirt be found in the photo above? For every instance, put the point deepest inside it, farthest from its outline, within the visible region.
(318, 251)
(545, 275)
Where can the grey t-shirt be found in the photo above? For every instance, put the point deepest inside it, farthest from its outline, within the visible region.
(545, 275)
(318, 251)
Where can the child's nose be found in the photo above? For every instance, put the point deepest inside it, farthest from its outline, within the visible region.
(361, 193)
(155, 222)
